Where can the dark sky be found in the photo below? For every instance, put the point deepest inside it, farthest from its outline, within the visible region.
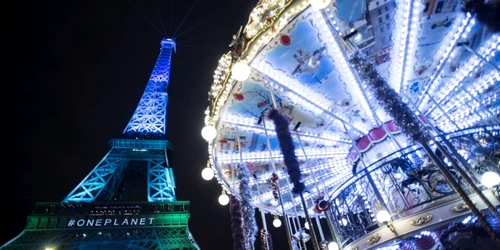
(76, 71)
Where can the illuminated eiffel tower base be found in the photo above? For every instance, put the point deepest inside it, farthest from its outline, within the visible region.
(128, 200)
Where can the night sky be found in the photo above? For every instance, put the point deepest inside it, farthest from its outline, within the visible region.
(76, 71)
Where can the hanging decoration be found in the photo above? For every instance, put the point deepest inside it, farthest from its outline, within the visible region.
(274, 185)
(485, 12)
(389, 99)
(249, 225)
(321, 205)
(236, 224)
(281, 126)
(265, 239)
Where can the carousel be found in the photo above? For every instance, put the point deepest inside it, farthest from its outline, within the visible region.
(375, 122)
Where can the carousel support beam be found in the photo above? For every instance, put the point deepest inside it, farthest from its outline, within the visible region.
(316, 179)
(444, 170)
(321, 107)
(442, 110)
(466, 46)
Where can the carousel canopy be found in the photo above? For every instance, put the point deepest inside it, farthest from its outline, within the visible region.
(293, 56)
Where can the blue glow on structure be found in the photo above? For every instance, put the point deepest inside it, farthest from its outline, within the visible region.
(150, 116)
(161, 186)
(143, 142)
(95, 182)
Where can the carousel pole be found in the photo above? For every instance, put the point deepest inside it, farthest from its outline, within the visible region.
(264, 225)
(455, 165)
(301, 194)
(288, 233)
(308, 218)
(461, 193)
(313, 233)
(264, 222)
(297, 228)
(329, 222)
(318, 222)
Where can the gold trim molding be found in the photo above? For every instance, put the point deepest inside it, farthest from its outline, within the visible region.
(461, 207)
(374, 239)
(421, 220)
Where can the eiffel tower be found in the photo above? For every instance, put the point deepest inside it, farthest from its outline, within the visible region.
(128, 200)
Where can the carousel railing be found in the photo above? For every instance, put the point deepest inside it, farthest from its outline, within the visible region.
(407, 181)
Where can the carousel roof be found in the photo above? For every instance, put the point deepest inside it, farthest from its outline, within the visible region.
(298, 54)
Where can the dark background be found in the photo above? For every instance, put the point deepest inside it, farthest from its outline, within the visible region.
(75, 73)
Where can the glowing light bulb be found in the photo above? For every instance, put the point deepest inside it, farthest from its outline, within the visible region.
(383, 216)
(490, 179)
(223, 199)
(276, 222)
(320, 4)
(208, 132)
(207, 174)
(240, 71)
(333, 246)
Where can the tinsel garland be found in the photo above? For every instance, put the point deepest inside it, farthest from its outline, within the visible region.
(236, 224)
(249, 225)
(265, 239)
(389, 99)
(281, 126)
(274, 185)
(486, 12)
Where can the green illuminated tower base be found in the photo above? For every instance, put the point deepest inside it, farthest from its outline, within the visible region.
(106, 225)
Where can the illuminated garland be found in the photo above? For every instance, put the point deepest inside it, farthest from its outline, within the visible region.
(274, 185)
(486, 12)
(249, 225)
(265, 238)
(389, 99)
(281, 126)
(236, 224)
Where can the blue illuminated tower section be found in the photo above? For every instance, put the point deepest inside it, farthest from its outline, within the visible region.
(144, 136)
(150, 117)
(128, 200)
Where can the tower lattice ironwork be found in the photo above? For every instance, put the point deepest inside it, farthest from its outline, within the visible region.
(128, 200)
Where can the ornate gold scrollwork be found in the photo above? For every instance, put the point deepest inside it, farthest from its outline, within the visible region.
(461, 207)
(374, 239)
(421, 220)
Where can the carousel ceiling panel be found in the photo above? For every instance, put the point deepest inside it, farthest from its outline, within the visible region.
(441, 61)
(305, 58)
